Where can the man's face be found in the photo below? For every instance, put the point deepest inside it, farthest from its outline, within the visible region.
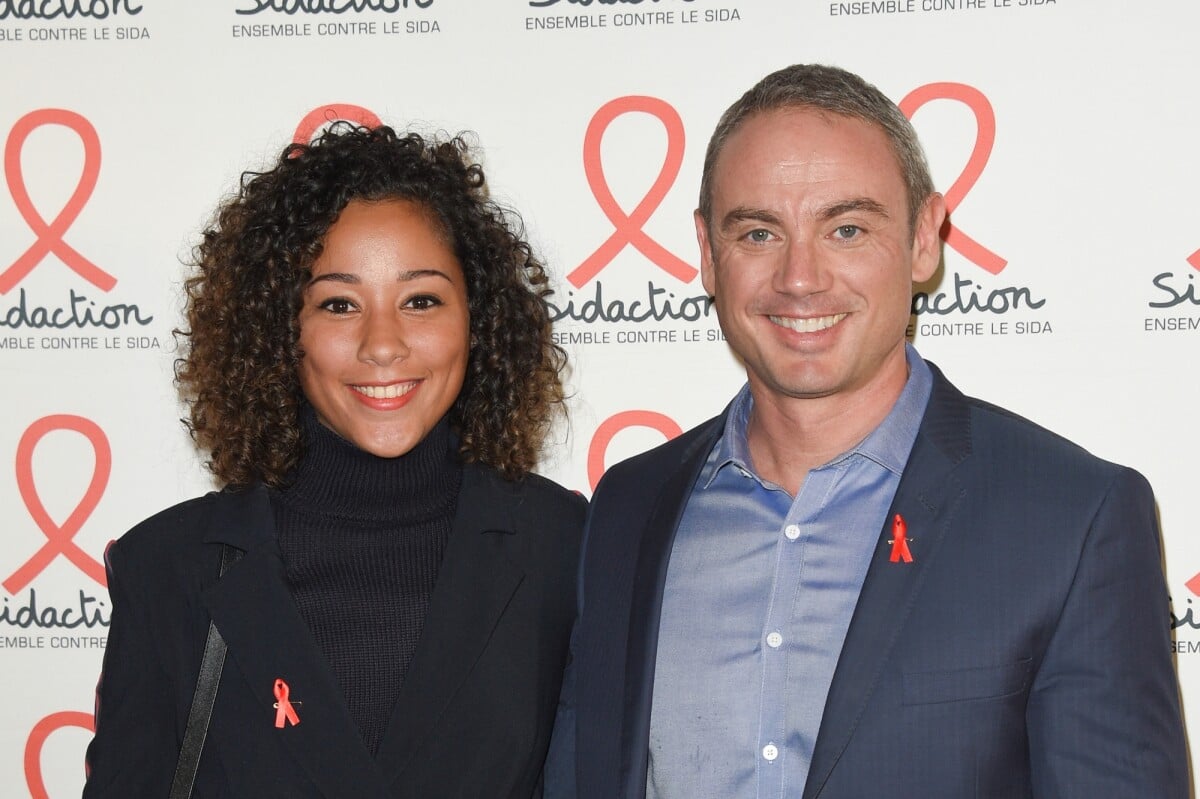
(810, 256)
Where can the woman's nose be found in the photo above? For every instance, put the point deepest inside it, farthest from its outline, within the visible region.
(383, 339)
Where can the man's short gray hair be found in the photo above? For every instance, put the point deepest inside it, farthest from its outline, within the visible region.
(834, 91)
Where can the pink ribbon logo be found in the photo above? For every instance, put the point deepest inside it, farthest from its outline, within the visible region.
(324, 115)
(59, 537)
(985, 137)
(37, 739)
(628, 227)
(50, 235)
(609, 428)
(1193, 584)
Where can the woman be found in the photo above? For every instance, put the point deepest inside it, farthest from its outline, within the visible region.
(370, 367)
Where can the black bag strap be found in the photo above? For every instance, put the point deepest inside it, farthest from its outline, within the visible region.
(202, 700)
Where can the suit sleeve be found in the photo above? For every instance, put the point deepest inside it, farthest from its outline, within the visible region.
(1103, 715)
(135, 747)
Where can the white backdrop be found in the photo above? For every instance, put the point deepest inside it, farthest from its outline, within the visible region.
(1063, 132)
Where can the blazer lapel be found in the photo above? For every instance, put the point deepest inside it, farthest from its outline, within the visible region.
(269, 640)
(649, 581)
(474, 585)
(927, 497)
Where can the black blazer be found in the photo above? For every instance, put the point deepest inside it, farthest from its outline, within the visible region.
(1023, 653)
(473, 718)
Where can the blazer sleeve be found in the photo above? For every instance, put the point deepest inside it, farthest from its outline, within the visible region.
(135, 747)
(559, 781)
(1103, 714)
(559, 773)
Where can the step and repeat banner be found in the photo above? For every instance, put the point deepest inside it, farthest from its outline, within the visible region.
(1064, 135)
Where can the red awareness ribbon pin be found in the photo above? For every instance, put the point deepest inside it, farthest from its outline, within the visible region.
(284, 712)
(900, 550)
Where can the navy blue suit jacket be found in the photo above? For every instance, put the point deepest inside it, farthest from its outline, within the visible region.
(1023, 653)
(474, 715)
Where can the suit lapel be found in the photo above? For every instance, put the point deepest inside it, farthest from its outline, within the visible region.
(474, 586)
(927, 497)
(268, 640)
(649, 581)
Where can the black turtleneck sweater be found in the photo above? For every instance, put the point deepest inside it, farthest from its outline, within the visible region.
(362, 538)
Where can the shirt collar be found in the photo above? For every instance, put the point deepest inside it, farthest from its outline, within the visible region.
(888, 445)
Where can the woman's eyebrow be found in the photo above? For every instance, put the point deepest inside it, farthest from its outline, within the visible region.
(415, 274)
(406, 275)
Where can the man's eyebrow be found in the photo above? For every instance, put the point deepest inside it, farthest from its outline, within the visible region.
(745, 214)
(858, 204)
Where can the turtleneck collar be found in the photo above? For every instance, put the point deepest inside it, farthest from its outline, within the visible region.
(338, 480)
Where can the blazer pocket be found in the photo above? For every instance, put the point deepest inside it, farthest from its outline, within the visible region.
(960, 685)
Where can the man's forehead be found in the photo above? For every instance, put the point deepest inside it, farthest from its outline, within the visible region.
(798, 129)
(805, 146)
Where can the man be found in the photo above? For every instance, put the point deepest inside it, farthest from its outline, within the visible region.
(857, 582)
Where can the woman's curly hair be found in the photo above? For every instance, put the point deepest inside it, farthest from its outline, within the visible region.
(239, 371)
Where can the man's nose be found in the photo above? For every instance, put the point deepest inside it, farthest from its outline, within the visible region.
(800, 268)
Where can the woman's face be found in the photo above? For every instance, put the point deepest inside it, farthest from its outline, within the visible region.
(384, 328)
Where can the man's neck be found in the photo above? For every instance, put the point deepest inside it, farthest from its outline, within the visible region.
(790, 436)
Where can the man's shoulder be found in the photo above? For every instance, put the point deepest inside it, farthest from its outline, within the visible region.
(998, 435)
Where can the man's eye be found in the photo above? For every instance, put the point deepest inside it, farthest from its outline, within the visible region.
(759, 236)
(336, 305)
(847, 231)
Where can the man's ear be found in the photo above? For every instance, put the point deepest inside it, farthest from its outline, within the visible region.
(927, 238)
(706, 257)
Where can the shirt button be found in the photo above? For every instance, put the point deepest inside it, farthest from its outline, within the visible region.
(792, 531)
(774, 640)
(770, 753)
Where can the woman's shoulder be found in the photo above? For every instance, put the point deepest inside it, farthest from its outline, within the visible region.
(543, 489)
(538, 497)
(175, 534)
(545, 516)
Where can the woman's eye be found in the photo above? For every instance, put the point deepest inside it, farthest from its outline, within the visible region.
(337, 305)
(423, 302)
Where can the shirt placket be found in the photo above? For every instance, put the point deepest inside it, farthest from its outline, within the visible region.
(777, 633)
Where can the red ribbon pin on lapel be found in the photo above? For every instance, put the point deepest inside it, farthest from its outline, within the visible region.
(900, 550)
(284, 712)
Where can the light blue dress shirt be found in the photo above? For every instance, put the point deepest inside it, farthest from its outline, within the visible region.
(759, 593)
